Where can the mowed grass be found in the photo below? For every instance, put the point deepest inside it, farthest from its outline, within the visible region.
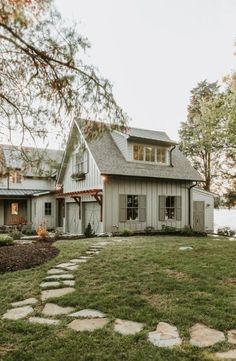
(145, 279)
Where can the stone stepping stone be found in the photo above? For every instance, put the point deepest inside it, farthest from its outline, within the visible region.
(125, 327)
(28, 301)
(91, 253)
(165, 335)
(67, 276)
(55, 271)
(64, 265)
(18, 313)
(43, 321)
(75, 260)
(232, 336)
(88, 313)
(88, 324)
(51, 309)
(228, 355)
(45, 295)
(72, 268)
(84, 257)
(203, 336)
(54, 284)
(186, 248)
(70, 283)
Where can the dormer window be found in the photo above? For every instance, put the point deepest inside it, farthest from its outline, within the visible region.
(15, 177)
(150, 153)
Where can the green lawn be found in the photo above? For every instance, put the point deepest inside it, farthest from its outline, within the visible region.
(144, 279)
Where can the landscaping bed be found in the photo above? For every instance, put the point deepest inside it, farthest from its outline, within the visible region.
(16, 257)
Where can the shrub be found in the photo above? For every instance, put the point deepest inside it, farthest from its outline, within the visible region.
(149, 229)
(42, 232)
(29, 232)
(126, 233)
(187, 231)
(88, 231)
(15, 234)
(5, 240)
(168, 229)
(225, 231)
(57, 234)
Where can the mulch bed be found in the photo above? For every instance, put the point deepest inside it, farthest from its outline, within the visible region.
(17, 257)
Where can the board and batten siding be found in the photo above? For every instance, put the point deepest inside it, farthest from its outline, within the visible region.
(1, 212)
(121, 142)
(152, 189)
(37, 211)
(29, 183)
(208, 199)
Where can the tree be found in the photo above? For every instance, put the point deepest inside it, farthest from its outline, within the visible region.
(200, 135)
(44, 78)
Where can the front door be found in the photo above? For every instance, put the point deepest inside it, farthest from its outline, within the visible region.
(198, 216)
(15, 212)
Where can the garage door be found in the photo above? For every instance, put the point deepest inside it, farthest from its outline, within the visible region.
(73, 223)
(92, 215)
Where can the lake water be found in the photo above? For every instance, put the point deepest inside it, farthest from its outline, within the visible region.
(225, 218)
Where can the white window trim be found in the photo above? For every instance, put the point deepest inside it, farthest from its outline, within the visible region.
(155, 154)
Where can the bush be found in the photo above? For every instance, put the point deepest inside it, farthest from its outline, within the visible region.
(57, 234)
(149, 229)
(168, 229)
(29, 232)
(187, 231)
(5, 240)
(15, 234)
(126, 233)
(88, 231)
(226, 231)
(42, 232)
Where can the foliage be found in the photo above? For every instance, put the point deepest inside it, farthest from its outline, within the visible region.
(88, 231)
(44, 75)
(6, 240)
(187, 231)
(168, 229)
(226, 231)
(15, 234)
(126, 233)
(57, 234)
(42, 232)
(29, 232)
(149, 229)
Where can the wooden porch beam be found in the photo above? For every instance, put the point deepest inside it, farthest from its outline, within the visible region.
(78, 201)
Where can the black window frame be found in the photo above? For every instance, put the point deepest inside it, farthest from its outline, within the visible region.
(46, 210)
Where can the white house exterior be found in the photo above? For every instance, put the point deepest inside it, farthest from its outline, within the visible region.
(129, 180)
(203, 201)
(27, 192)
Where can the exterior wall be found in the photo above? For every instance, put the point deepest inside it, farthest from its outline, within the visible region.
(113, 187)
(121, 142)
(1, 212)
(208, 199)
(37, 209)
(28, 183)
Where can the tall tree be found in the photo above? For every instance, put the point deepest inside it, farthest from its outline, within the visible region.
(200, 134)
(44, 78)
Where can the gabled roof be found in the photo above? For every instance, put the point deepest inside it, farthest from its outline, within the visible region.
(47, 161)
(110, 161)
(150, 135)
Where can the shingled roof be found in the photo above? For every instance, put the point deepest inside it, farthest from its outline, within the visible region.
(110, 161)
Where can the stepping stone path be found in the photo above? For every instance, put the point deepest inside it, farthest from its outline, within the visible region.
(60, 277)
(28, 301)
(165, 335)
(232, 336)
(18, 313)
(203, 336)
(43, 321)
(125, 327)
(51, 309)
(55, 271)
(90, 324)
(228, 355)
(57, 292)
(88, 314)
(185, 248)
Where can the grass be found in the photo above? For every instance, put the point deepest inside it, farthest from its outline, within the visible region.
(144, 279)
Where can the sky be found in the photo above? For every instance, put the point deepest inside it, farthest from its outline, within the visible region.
(156, 51)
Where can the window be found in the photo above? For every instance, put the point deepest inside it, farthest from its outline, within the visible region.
(47, 208)
(161, 155)
(170, 208)
(80, 162)
(14, 209)
(132, 207)
(138, 152)
(15, 177)
(149, 154)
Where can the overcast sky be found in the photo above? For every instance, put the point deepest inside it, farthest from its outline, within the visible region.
(156, 51)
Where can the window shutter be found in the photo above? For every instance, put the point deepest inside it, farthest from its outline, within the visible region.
(178, 205)
(142, 208)
(123, 207)
(162, 207)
